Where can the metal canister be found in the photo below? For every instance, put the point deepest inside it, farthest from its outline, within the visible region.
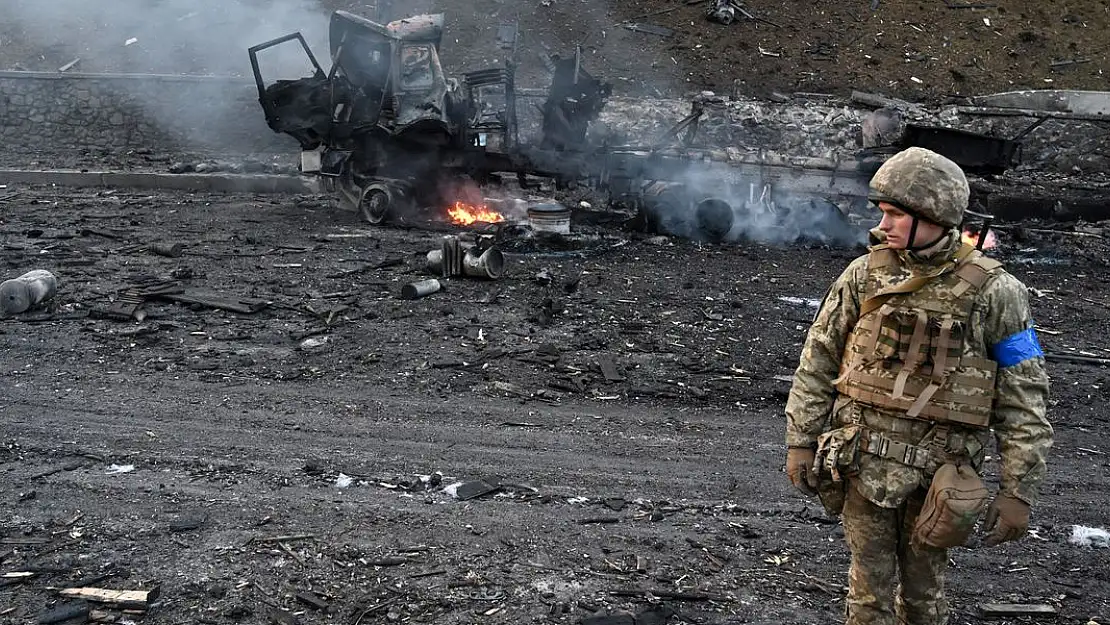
(420, 288)
(32, 288)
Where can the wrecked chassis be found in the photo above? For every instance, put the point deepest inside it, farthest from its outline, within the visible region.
(388, 132)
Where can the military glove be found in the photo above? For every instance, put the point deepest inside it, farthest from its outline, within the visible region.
(799, 467)
(1007, 519)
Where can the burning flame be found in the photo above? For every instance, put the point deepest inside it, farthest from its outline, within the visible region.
(466, 214)
(972, 238)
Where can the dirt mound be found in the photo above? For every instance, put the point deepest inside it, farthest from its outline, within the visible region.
(921, 51)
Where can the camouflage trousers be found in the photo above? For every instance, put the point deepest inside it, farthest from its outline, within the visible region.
(890, 581)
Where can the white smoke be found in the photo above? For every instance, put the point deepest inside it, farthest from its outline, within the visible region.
(158, 36)
(726, 204)
(171, 37)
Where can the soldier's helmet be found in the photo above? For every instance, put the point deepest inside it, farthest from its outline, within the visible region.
(923, 183)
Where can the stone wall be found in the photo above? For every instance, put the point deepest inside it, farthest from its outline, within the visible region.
(45, 112)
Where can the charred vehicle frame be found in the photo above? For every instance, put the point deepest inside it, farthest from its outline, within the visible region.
(389, 132)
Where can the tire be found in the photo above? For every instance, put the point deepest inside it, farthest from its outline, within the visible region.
(375, 204)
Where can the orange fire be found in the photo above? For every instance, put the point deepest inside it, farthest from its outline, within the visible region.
(466, 214)
(972, 238)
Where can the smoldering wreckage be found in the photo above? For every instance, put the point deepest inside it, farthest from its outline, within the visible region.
(387, 131)
(406, 147)
(392, 135)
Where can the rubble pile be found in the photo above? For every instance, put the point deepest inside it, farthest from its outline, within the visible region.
(827, 127)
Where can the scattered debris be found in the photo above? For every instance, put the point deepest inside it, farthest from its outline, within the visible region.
(313, 342)
(506, 36)
(64, 612)
(878, 101)
(549, 217)
(389, 561)
(244, 305)
(1066, 62)
(599, 520)
(283, 539)
(454, 259)
(650, 29)
(973, 151)
(724, 12)
(116, 469)
(420, 288)
(654, 615)
(666, 594)
(18, 575)
(70, 65)
(188, 524)
(1090, 537)
(996, 610)
(171, 250)
(473, 489)
(343, 480)
(71, 465)
(609, 369)
(27, 291)
(1083, 360)
(140, 599)
(312, 600)
(801, 301)
(964, 5)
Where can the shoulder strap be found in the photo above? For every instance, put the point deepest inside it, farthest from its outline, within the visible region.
(915, 284)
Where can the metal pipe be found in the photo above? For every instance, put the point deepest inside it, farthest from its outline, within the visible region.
(488, 264)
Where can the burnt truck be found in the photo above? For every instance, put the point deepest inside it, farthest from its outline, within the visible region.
(389, 132)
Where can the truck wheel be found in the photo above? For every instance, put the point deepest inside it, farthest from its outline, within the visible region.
(375, 204)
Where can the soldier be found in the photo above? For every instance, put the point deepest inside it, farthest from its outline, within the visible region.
(920, 349)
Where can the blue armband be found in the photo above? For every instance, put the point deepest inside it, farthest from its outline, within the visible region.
(1017, 348)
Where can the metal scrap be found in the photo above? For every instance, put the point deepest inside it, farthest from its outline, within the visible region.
(506, 36)
(650, 29)
(244, 305)
(70, 65)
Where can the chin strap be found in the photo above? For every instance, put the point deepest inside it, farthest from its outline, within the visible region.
(913, 235)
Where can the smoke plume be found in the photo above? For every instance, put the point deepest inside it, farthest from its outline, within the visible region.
(159, 36)
(171, 37)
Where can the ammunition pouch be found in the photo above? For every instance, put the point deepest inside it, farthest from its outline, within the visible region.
(956, 499)
(832, 494)
(837, 458)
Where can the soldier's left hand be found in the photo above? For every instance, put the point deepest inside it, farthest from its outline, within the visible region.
(1007, 519)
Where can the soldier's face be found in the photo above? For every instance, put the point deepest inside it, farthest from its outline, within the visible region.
(897, 223)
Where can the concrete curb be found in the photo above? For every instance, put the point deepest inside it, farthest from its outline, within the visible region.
(219, 183)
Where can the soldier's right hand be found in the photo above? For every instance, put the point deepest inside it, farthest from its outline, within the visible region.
(799, 467)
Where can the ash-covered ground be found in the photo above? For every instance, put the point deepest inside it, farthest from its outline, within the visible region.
(921, 51)
(612, 406)
(620, 395)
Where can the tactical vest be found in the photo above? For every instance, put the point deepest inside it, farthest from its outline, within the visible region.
(909, 352)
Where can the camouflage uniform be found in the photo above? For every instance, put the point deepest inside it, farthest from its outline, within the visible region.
(890, 580)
